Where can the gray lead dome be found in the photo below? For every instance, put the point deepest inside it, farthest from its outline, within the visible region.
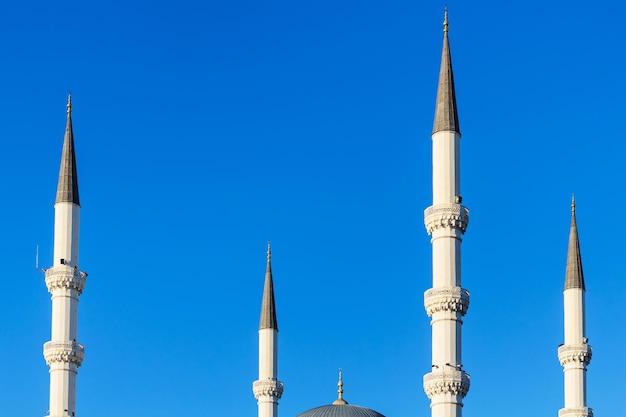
(340, 411)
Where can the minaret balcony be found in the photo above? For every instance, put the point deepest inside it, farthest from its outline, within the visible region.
(448, 216)
(576, 412)
(65, 277)
(454, 299)
(65, 352)
(575, 353)
(446, 383)
(267, 388)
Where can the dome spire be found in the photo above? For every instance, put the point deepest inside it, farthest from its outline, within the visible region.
(340, 400)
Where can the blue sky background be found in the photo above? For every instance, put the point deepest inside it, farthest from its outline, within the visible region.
(204, 129)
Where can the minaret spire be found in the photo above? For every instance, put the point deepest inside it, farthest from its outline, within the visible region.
(575, 353)
(268, 389)
(574, 277)
(268, 306)
(65, 282)
(446, 115)
(67, 190)
(446, 221)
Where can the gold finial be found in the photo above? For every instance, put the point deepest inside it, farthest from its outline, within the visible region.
(269, 250)
(573, 204)
(340, 400)
(445, 19)
(69, 103)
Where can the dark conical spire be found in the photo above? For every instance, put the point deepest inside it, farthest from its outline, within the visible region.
(268, 306)
(67, 190)
(446, 116)
(574, 277)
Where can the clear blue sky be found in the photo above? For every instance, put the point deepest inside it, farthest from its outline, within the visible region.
(204, 129)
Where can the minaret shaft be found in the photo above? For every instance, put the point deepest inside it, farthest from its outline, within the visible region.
(66, 233)
(446, 171)
(446, 221)
(65, 283)
(268, 354)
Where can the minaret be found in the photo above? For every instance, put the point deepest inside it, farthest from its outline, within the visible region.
(65, 282)
(575, 353)
(268, 389)
(446, 220)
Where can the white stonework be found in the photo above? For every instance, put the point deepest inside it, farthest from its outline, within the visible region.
(65, 282)
(268, 389)
(446, 302)
(574, 355)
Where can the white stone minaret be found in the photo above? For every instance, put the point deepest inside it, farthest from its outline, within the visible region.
(268, 389)
(446, 220)
(65, 282)
(575, 353)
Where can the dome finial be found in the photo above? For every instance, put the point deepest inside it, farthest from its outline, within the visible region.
(445, 19)
(269, 251)
(69, 103)
(573, 204)
(340, 400)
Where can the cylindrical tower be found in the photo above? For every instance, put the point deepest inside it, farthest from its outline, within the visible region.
(446, 220)
(575, 353)
(268, 389)
(65, 282)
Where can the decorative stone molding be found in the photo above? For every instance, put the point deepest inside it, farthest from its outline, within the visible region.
(449, 216)
(65, 277)
(269, 388)
(575, 353)
(446, 382)
(446, 299)
(576, 412)
(67, 352)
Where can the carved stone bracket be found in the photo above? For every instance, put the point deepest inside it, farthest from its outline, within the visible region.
(65, 277)
(575, 353)
(576, 412)
(446, 299)
(454, 383)
(269, 388)
(67, 352)
(450, 216)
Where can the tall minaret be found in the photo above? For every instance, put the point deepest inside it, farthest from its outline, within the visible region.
(268, 389)
(65, 282)
(575, 353)
(446, 220)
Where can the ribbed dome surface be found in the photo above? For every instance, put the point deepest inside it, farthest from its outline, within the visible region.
(340, 411)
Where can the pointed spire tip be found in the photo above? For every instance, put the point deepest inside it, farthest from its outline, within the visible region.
(445, 19)
(573, 204)
(69, 103)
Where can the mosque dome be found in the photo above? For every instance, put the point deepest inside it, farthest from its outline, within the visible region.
(345, 410)
(340, 407)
